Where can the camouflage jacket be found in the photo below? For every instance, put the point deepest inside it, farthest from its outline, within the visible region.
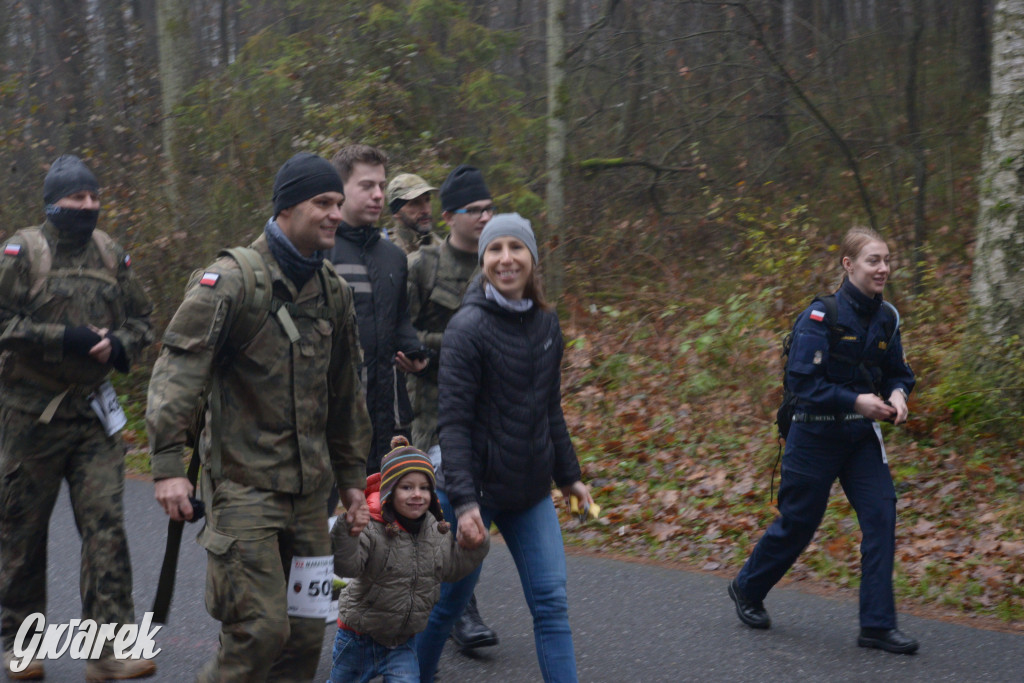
(293, 415)
(89, 285)
(410, 241)
(438, 278)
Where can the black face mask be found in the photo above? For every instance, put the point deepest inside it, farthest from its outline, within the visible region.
(74, 225)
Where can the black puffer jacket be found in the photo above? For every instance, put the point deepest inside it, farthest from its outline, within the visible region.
(376, 271)
(503, 434)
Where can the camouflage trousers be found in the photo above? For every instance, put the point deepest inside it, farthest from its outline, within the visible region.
(250, 537)
(34, 459)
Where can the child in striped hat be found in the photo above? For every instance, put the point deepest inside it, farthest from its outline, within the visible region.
(399, 562)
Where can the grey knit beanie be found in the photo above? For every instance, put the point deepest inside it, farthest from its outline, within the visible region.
(508, 225)
(68, 174)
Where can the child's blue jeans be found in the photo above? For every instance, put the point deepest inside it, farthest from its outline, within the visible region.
(359, 659)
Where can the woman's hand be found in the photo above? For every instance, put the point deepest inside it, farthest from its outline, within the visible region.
(581, 491)
(471, 529)
(874, 408)
(898, 401)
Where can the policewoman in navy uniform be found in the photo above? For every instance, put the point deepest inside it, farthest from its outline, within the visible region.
(845, 381)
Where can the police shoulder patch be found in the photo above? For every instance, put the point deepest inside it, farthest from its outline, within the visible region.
(12, 249)
(127, 260)
(209, 279)
(817, 316)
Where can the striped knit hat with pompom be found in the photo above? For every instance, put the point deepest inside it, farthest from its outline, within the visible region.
(402, 460)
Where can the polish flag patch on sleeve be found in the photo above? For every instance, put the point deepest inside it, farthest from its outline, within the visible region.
(817, 316)
(12, 249)
(127, 261)
(209, 279)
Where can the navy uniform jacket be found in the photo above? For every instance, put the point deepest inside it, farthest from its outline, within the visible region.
(828, 380)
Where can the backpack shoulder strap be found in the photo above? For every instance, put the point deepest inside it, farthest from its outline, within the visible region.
(331, 284)
(831, 309)
(106, 246)
(252, 313)
(40, 258)
(431, 255)
(831, 316)
(257, 295)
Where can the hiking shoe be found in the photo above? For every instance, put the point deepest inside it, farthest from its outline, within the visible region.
(751, 613)
(470, 631)
(112, 668)
(888, 639)
(32, 672)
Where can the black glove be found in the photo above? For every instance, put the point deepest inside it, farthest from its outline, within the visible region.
(78, 340)
(118, 358)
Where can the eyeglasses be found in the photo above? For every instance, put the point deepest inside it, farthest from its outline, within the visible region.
(477, 211)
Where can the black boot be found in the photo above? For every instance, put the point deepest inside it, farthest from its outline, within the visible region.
(470, 631)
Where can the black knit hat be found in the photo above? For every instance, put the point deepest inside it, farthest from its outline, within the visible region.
(303, 176)
(464, 185)
(67, 175)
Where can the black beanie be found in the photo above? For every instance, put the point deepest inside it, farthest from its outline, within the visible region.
(464, 185)
(303, 176)
(67, 176)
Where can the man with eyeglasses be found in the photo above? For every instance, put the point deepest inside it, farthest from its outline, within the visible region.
(439, 275)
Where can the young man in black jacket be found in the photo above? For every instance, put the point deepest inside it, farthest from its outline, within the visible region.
(376, 271)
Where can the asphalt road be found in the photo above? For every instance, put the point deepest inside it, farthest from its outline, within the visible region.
(631, 622)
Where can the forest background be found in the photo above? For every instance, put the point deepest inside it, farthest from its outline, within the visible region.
(690, 167)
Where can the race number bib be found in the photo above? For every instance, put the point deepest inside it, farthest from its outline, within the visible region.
(106, 406)
(309, 587)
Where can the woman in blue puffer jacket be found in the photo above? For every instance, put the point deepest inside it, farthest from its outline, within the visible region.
(505, 441)
(847, 374)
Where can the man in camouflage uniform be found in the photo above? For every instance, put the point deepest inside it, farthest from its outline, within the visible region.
(71, 310)
(439, 275)
(292, 422)
(408, 197)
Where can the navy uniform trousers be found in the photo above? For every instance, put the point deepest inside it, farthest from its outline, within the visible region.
(816, 454)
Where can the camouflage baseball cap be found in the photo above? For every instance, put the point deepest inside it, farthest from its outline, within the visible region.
(407, 186)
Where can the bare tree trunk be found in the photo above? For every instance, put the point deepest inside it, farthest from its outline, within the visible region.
(998, 279)
(68, 34)
(175, 48)
(634, 78)
(557, 99)
(917, 150)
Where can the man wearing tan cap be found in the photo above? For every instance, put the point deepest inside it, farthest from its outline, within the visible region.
(408, 197)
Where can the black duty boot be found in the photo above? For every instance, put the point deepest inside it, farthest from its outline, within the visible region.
(751, 613)
(888, 639)
(470, 631)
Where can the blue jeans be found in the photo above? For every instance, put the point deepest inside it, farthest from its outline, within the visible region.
(360, 658)
(534, 538)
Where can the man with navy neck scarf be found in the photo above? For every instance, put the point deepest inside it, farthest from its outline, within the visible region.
(292, 423)
(376, 270)
(71, 312)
